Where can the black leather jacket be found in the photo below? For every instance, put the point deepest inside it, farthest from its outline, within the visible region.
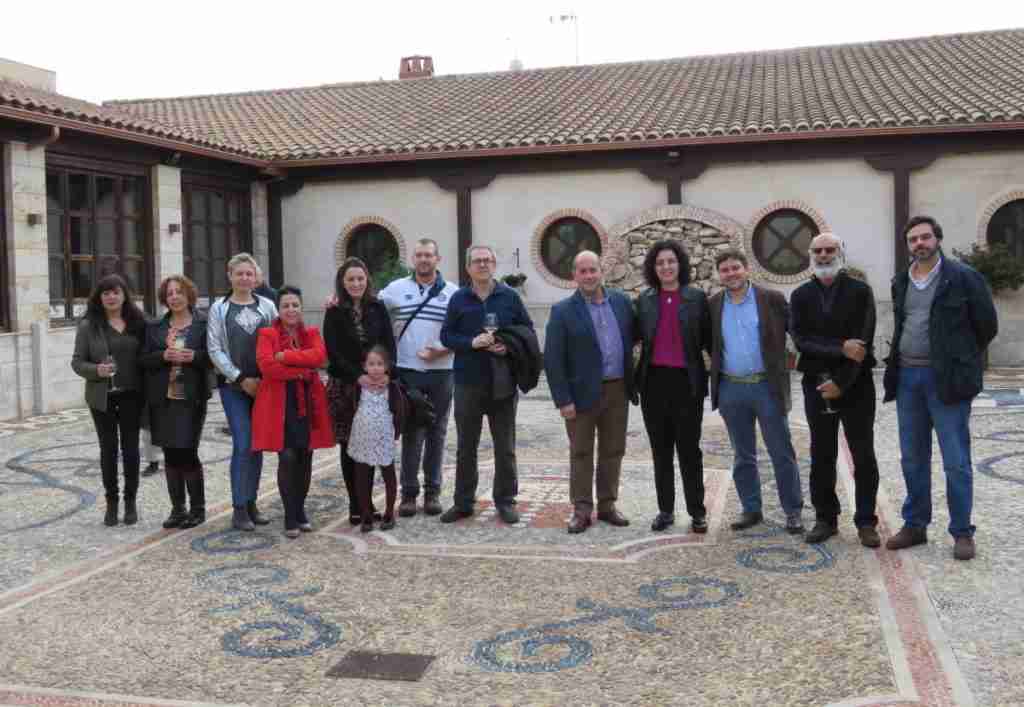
(695, 324)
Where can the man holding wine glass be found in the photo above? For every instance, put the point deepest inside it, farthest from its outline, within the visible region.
(833, 326)
(474, 314)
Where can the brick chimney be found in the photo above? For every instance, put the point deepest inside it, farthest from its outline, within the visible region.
(416, 67)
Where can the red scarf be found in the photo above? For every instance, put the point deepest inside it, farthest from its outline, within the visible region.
(296, 343)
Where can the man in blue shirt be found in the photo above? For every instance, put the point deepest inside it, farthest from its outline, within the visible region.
(478, 392)
(750, 383)
(588, 359)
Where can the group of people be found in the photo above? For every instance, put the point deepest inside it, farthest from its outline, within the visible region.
(396, 361)
(732, 346)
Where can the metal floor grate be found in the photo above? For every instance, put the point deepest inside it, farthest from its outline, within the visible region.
(382, 666)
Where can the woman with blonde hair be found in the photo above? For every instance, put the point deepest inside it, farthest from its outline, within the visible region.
(232, 329)
(176, 363)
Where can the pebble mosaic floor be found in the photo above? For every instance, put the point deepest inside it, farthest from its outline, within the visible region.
(523, 614)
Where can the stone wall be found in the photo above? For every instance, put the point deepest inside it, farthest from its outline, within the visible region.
(703, 233)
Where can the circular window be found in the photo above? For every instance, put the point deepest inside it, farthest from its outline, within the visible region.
(562, 240)
(781, 240)
(374, 245)
(1007, 227)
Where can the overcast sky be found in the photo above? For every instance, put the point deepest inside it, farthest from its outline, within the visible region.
(118, 49)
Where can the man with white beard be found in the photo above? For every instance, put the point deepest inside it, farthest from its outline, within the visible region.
(833, 326)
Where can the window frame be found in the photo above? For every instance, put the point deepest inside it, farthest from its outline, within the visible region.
(243, 226)
(548, 233)
(94, 171)
(1016, 249)
(5, 293)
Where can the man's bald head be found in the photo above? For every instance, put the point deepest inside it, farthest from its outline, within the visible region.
(586, 271)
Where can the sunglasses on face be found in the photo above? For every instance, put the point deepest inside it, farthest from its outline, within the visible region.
(829, 250)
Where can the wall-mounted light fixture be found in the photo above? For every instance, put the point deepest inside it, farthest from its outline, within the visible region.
(35, 219)
(174, 228)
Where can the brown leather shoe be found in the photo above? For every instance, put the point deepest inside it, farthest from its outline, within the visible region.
(578, 523)
(407, 508)
(613, 517)
(963, 548)
(868, 536)
(907, 537)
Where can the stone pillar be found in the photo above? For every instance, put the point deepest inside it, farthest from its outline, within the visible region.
(168, 248)
(27, 247)
(261, 230)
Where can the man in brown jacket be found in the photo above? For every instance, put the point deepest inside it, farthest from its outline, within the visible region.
(750, 382)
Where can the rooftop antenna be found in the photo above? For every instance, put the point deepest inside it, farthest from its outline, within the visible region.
(570, 17)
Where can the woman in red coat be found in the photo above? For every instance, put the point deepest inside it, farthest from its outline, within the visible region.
(290, 415)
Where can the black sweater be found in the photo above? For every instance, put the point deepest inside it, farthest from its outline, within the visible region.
(344, 351)
(820, 336)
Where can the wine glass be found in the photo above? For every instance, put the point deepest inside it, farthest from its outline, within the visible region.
(490, 322)
(110, 361)
(824, 378)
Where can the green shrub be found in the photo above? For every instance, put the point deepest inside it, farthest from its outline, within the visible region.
(392, 270)
(996, 264)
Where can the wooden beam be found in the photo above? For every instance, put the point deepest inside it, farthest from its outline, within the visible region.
(463, 185)
(674, 172)
(51, 136)
(900, 165)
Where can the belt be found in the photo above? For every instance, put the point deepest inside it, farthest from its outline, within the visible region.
(611, 380)
(752, 378)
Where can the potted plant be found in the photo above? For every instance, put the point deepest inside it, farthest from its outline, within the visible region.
(514, 280)
(391, 271)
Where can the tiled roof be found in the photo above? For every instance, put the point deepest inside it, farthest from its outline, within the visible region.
(118, 120)
(964, 81)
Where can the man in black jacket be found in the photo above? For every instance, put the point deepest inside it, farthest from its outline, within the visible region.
(833, 326)
(944, 320)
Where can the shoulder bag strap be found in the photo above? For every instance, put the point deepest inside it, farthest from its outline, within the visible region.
(430, 296)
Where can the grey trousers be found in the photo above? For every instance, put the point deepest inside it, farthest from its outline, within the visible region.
(472, 403)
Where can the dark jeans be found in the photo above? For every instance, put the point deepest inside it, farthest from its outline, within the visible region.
(426, 443)
(856, 411)
(294, 472)
(123, 414)
(471, 404)
(673, 419)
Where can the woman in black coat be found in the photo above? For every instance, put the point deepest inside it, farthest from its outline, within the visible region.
(355, 324)
(177, 366)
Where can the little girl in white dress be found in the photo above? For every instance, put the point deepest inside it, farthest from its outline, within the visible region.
(372, 439)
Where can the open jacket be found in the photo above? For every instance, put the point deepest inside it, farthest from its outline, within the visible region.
(962, 324)
(773, 315)
(91, 350)
(299, 365)
(195, 375)
(217, 335)
(344, 350)
(572, 354)
(695, 326)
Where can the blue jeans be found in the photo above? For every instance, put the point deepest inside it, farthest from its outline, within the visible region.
(426, 443)
(919, 410)
(741, 404)
(246, 465)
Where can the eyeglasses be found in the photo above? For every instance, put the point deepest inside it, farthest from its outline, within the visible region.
(481, 262)
(828, 250)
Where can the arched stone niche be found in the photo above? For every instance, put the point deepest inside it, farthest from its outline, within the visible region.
(704, 233)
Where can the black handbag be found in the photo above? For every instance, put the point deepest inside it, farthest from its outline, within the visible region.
(421, 409)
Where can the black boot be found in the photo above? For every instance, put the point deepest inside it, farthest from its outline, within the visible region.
(176, 492)
(196, 497)
(255, 515)
(110, 517)
(131, 513)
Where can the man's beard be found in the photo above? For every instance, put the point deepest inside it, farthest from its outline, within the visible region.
(828, 272)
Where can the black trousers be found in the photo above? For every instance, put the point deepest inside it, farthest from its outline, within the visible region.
(181, 458)
(856, 412)
(673, 417)
(348, 473)
(121, 419)
(472, 403)
(294, 473)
